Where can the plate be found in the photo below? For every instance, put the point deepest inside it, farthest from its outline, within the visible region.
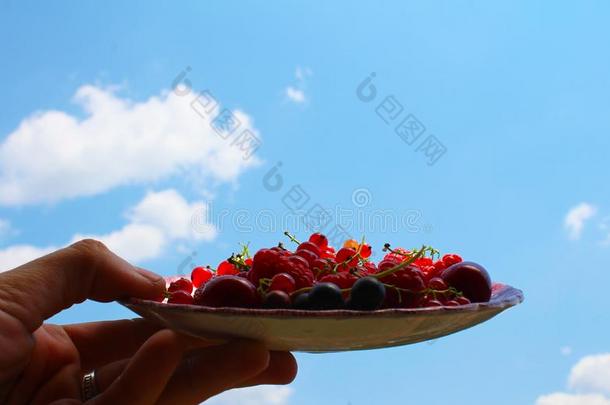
(325, 331)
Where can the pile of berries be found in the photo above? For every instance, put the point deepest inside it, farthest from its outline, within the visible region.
(316, 277)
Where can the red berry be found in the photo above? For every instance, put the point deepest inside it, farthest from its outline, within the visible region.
(463, 300)
(451, 259)
(182, 284)
(399, 255)
(342, 280)
(322, 266)
(437, 283)
(180, 297)
(226, 269)
(370, 268)
(248, 262)
(267, 263)
(308, 255)
(328, 253)
(200, 275)
(298, 260)
(347, 256)
(386, 265)
(309, 246)
(227, 291)
(423, 262)
(452, 303)
(432, 303)
(366, 251)
(319, 240)
(409, 284)
(282, 282)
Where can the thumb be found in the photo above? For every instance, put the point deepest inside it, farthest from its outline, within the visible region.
(85, 270)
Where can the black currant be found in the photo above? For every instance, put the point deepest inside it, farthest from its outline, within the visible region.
(325, 296)
(367, 294)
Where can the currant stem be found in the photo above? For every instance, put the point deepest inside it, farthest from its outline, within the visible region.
(291, 237)
(421, 252)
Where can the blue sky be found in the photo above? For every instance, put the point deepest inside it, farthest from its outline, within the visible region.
(517, 93)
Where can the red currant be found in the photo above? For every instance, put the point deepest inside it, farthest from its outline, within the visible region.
(308, 255)
(182, 284)
(319, 240)
(309, 246)
(227, 269)
(463, 300)
(201, 275)
(366, 251)
(348, 256)
(452, 303)
(437, 283)
(282, 282)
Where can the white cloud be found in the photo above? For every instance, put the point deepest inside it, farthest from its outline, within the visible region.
(296, 95)
(561, 398)
(158, 220)
(577, 216)
(591, 374)
(259, 395)
(589, 379)
(118, 142)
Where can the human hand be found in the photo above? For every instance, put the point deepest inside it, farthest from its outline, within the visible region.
(135, 361)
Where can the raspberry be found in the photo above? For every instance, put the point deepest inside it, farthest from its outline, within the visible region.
(182, 284)
(180, 297)
(410, 283)
(267, 263)
(423, 262)
(451, 259)
(399, 255)
(369, 268)
(342, 280)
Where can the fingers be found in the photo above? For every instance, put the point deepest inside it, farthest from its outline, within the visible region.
(100, 343)
(213, 370)
(148, 372)
(282, 370)
(87, 269)
(60, 386)
(210, 371)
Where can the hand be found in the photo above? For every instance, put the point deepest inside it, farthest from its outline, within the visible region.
(135, 361)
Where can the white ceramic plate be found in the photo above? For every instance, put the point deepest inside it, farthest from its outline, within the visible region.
(325, 331)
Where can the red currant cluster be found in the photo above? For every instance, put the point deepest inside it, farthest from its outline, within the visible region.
(315, 277)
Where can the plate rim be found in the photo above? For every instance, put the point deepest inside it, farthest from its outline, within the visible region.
(505, 296)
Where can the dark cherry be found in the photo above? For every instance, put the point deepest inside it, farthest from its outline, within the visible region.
(471, 279)
(227, 291)
(276, 299)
